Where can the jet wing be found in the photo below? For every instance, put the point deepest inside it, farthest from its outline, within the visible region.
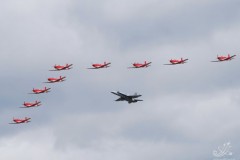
(123, 96)
(134, 96)
(120, 99)
(115, 93)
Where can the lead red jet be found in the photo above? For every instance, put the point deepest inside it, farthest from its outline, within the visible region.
(177, 61)
(18, 121)
(31, 104)
(60, 67)
(53, 80)
(38, 91)
(224, 58)
(141, 65)
(98, 66)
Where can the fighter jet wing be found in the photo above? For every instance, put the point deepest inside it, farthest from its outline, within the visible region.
(122, 95)
(120, 99)
(115, 93)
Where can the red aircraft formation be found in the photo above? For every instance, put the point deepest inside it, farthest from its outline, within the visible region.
(96, 66)
(39, 91)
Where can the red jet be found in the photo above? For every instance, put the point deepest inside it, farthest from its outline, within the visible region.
(60, 68)
(53, 80)
(141, 65)
(224, 58)
(31, 104)
(98, 66)
(38, 91)
(18, 121)
(176, 61)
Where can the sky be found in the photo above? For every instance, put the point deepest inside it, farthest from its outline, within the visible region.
(188, 110)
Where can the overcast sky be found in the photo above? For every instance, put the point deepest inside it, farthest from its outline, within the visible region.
(188, 110)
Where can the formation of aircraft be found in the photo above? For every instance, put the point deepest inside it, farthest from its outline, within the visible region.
(128, 98)
(18, 121)
(31, 104)
(99, 65)
(122, 96)
(176, 61)
(62, 67)
(224, 58)
(141, 65)
(54, 80)
(44, 90)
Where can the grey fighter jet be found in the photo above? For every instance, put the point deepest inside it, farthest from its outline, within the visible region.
(128, 98)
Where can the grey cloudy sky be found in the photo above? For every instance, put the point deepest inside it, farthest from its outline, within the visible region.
(188, 110)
